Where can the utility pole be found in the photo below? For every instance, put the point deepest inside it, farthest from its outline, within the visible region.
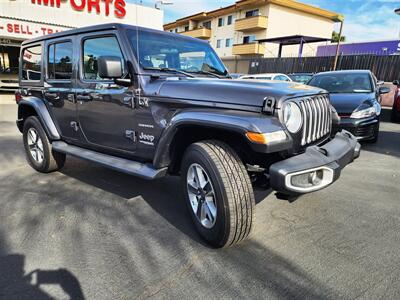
(340, 18)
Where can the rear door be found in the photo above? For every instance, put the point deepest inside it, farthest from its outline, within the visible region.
(105, 110)
(59, 85)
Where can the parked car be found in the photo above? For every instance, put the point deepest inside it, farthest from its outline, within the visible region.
(301, 77)
(395, 116)
(236, 75)
(132, 107)
(267, 76)
(355, 95)
(9, 79)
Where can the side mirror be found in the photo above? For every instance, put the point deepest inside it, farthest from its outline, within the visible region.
(109, 67)
(383, 90)
(396, 82)
(380, 82)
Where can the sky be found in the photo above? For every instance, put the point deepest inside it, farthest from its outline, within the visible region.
(365, 20)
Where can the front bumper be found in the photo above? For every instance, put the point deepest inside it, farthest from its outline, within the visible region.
(315, 169)
(362, 129)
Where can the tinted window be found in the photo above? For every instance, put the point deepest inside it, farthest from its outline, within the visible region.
(281, 77)
(31, 63)
(60, 61)
(252, 13)
(343, 82)
(207, 24)
(249, 39)
(93, 48)
(158, 50)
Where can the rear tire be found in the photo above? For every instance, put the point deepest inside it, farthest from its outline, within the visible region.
(214, 178)
(39, 153)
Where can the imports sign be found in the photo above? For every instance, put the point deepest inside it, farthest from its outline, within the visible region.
(26, 30)
(104, 7)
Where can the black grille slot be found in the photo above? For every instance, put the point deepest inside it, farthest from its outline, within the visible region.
(317, 118)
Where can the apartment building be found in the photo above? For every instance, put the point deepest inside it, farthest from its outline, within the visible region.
(236, 29)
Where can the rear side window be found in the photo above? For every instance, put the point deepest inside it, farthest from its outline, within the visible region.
(93, 49)
(32, 63)
(60, 61)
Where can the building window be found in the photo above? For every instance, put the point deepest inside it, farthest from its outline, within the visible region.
(32, 63)
(207, 24)
(60, 61)
(219, 43)
(187, 28)
(171, 30)
(176, 30)
(95, 47)
(228, 43)
(252, 13)
(221, 22)
(249, 39)
(230, 20)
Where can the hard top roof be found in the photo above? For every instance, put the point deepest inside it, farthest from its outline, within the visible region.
(102, 27)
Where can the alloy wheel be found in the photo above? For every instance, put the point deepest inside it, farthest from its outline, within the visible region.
(201, 195)
(35, 145)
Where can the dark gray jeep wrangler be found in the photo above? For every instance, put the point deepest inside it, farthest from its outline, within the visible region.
(151, 103)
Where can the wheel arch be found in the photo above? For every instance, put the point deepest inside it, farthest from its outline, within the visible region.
(33, 106)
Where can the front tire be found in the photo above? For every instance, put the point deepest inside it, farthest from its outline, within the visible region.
(39, 153)
(218, 193)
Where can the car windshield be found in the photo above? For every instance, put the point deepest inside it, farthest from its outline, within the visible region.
(343, 83)
(165, 52)
(302, 78)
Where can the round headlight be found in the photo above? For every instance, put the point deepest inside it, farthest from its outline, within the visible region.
(292, 117)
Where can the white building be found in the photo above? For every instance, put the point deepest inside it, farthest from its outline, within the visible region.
(25, 19)
(235, 29)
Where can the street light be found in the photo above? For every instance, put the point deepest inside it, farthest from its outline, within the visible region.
(160, 3)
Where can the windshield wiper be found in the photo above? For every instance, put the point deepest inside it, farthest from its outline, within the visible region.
(208, 73)
(170, 70)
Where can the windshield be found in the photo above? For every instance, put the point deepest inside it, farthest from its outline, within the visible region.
(164, 51)
(303, 78)
(343, 83)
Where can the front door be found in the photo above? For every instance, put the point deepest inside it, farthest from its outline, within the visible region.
(105, 110)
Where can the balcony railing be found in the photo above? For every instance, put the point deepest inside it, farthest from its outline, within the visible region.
(248, 49)
(200, 33)
(251, 23)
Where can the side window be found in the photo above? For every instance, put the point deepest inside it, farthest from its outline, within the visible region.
(32, 63)
(60, 61)
(95, 47)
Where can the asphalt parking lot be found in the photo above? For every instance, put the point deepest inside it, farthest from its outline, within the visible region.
(89, 232)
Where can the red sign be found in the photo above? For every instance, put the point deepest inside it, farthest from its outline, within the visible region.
(98, 6)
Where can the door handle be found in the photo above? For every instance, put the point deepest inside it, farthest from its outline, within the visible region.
(52, 95)
(83, 97)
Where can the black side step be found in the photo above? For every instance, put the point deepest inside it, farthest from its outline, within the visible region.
(127, 166)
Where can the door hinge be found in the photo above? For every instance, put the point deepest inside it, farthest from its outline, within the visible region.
(130, 134)
(74, 125)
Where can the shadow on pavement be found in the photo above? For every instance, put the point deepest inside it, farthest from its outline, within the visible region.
(15, 284)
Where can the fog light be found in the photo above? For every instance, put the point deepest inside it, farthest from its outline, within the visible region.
(309, 180)
(315, 177)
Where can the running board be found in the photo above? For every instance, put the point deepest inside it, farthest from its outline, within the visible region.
(127, 166)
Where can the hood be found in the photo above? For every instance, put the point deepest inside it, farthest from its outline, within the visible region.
(347, 103)
(229, 91)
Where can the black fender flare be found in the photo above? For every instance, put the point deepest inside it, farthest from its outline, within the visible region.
(42, 113)
(233, 121)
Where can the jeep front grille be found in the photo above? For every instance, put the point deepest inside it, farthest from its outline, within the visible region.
(317, 118)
